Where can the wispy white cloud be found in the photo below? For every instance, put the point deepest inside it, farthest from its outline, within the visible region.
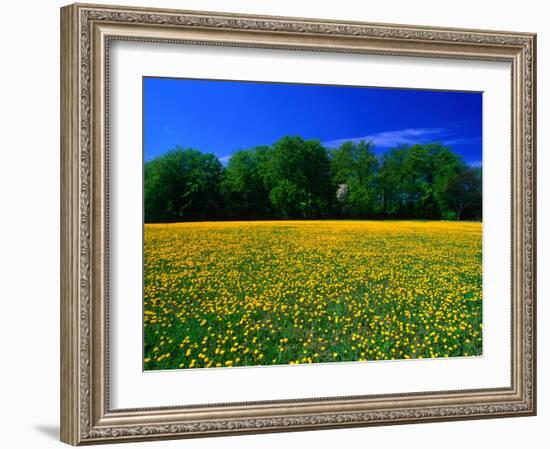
(462, 141)
(385, 139)
(224, 159)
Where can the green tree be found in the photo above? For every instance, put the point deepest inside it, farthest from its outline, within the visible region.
(354, 165)
(391, 181)
(243, 184)
(414, 180)
(416, 185)
(297, 175)
(444, 166)
(289, 199)
(464, 193)
(182, 184)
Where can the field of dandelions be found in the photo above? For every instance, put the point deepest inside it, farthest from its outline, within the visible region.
(225, 294)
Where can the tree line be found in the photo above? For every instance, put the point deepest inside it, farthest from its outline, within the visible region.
(301, 179)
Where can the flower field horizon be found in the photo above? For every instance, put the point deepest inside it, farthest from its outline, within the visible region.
(248, 293)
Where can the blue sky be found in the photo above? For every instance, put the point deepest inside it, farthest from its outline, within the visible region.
(221, 117)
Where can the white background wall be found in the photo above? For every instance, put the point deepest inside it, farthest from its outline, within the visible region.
(29, 228)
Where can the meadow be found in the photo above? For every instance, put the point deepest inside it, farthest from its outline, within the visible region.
(221, 294)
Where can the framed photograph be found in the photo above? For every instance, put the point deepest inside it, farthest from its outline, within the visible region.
(280, 224)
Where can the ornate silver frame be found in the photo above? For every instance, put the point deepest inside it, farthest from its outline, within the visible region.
(86, 32)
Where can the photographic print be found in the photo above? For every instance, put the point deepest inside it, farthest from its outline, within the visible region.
(301, 223)
(297, 223)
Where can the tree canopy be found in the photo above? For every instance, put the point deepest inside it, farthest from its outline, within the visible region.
(301, 179)
(182, 185)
